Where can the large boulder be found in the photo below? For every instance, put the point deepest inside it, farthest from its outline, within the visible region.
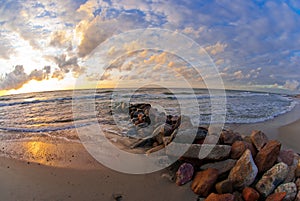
(250, 194)
(272, 178)
(204, 151)
(267, 156)
(259, 139)
(221, 166)
(204, 181)
(290, 189)
(244, 172)
(220, 197)
(239, 147)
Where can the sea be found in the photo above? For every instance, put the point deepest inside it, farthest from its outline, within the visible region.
(57, 114)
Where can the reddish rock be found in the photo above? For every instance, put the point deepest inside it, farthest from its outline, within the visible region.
(204, 181)
(224, 187)
(276, 196)
(184, 174)
(239, 147)
(259, 139)
(229, 137)
(250, 194)
(244, 172)
(220, 197)
(267, 156)
(286, 156)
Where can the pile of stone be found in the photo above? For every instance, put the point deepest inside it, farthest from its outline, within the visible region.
(224, 167)
(239, 168)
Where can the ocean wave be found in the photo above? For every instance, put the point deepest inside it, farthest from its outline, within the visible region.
(47, 129)
(52, 100)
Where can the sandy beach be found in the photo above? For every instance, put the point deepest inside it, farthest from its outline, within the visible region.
(68, 179)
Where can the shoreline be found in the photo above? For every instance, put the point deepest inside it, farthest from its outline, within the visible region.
(80, 177)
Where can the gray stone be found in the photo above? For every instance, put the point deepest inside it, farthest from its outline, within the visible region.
(290, 189)
(204, 151)
(291, 175)
(221, 166)
(244, 172)
(272, 178)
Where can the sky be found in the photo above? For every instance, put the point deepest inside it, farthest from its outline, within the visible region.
(44, 45)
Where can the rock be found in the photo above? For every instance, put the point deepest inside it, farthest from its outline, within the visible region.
(247, 138)
(297, 172)
(229, 137)
(259, 139)
(204, 181)
(221, 197)
(238, 196)
(205, 151)
(298, 196)
(221, 166)
(276, 196)
(211, 139)
(244, 172)
(297, 182)
(224, 186)
(267, 156)
(250, 194)
(239, 147)
(162, 131)
(291, 175)
(290, 189)
(272, 178)
(286, 156)
(184, 174)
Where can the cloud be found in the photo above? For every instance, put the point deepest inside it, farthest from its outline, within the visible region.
(216, 49)
(61, 39)
(17, 78)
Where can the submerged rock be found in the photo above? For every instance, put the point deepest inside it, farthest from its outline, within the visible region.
(204, 181)
(272, 178)
(244, 172)
(267, 156)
